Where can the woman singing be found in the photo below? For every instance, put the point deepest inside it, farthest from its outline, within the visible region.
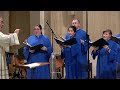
(40, 55)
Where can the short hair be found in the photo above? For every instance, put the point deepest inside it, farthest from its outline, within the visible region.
(77, 20)
(39, 26)
(108, 30)
(73, 27)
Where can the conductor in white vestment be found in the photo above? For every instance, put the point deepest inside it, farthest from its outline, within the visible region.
(5, 42)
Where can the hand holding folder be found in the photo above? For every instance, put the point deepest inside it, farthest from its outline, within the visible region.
(37, 47)
(67, 42)
(99, 43)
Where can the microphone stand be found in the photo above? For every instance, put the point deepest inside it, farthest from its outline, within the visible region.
(87, 39)
(53, 63)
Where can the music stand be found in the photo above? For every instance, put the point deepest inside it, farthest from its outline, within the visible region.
(32, 65)
(26, 66)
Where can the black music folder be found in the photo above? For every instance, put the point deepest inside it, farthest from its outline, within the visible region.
(67, 42)
(37, 47)
(99, 43)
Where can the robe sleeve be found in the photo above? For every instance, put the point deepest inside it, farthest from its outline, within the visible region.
(118, 58)
(118, 55)
(8, 40)
(49, 47)
(86, 45)
(84, 48)
(26, 52)
(74, 49)
(113, 57)
(113, 53)
(103, 51)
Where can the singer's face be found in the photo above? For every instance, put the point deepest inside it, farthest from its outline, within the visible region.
(37, 31)
(106, 35)
(76, 23)
(71, 32)
(1, 23)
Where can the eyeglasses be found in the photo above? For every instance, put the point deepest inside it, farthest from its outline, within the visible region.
(74, 23)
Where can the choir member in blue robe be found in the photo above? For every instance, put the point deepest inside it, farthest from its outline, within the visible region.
(69, 53)
(106, 61)
(83, 46)
(41, 55)
(118, 57)
(117, 36)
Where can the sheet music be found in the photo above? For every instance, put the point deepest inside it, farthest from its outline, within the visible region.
(33, 65)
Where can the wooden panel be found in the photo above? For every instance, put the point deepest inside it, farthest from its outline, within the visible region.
(20, 19)
(102, 20)
(58, 26)
(34, 20)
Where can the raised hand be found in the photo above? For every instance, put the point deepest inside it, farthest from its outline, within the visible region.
(17, 31)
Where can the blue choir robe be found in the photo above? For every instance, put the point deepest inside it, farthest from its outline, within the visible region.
(70, 57)
(118, 61)
(82, 61)
(117, 36)
(118, 56)
(42, 72)
(106, 62)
